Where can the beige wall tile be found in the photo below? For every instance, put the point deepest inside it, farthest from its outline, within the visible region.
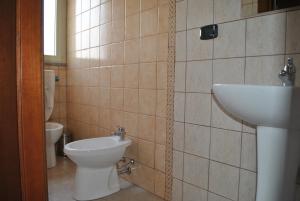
(118, 31)
(162, 47)
(85, 20)
(227, 10)
(131, 123)
(161, 103)
(117, 98)
(200, 13)
(131, 75)
(179, 107)
(148, 49)
(224, 180)
(106, 12)
(176, 190)
(95, 57)
(271, 32)
(160, 157)
(180, 70)
(147, 4)
(160, 181)
(145, 178)
(85, 39)
(199, 74)
(214, 197)
(181, 15)
(131, 100)
(160, 130)
(105, 55)
(191, 193)
(198, 108)
(105, 76)
(292, 39)
(94, 36)
(149, 22)
(181, 46)
(132, 27)
(146, 127)
(161, 75)
(226, 146)
(104, 100)
(231, 40)
(147, 101)
(197, 140)
(147, 76)
(132, 7)
(117, 76)
(263, 70)
(116, 118)
(178, 136)
(196, 171)
(85, 5)
(146, 153)
(178, 165)
(132, 51)
(95, 16)
(163, 18)
(247, 190)
(248, 158)
(198, 49)
(117, 53)
(118, 9)
(105, 33)
(224, 69)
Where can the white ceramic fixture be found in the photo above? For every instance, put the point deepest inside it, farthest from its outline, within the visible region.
(96, 174)
(53, 130)
(275, 110)
(53, 133)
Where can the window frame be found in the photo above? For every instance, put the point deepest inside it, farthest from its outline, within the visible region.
(61, 35)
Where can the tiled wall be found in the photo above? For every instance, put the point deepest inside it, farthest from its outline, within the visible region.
(214, 155)
(117, 76)
(59, 113)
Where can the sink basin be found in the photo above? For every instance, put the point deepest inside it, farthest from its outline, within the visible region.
(275, 110)
(271, 106)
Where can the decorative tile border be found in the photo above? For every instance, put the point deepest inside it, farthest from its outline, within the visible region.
(170, 100)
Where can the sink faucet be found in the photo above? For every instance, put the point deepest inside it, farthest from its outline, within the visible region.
(287, 75)
(120, 132)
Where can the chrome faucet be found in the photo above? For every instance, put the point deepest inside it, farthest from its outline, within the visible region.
(287, 75)
(120, 132)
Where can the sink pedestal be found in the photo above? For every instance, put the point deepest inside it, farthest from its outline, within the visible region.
(278, 160)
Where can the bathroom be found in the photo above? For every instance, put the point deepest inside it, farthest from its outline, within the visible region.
(144, 72)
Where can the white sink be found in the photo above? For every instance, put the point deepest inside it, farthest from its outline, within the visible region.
(275, 110)
(269, 106)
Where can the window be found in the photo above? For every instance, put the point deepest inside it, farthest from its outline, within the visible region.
(55, 31)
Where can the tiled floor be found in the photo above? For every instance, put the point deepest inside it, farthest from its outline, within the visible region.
(60, 181)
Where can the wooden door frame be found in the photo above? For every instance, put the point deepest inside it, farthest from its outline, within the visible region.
(30, 100)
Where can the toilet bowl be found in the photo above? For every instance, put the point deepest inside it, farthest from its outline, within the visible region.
(53, 133)
(96, 158)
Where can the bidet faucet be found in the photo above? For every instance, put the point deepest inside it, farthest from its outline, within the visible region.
(287, 75)
(120, 132)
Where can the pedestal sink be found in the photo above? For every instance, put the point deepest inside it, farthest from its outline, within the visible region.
(275, 110)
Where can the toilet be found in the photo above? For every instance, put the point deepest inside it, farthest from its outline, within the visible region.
(96, 158)
(53, 130)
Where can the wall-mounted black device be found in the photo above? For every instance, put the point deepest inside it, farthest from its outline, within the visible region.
(209, 32)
